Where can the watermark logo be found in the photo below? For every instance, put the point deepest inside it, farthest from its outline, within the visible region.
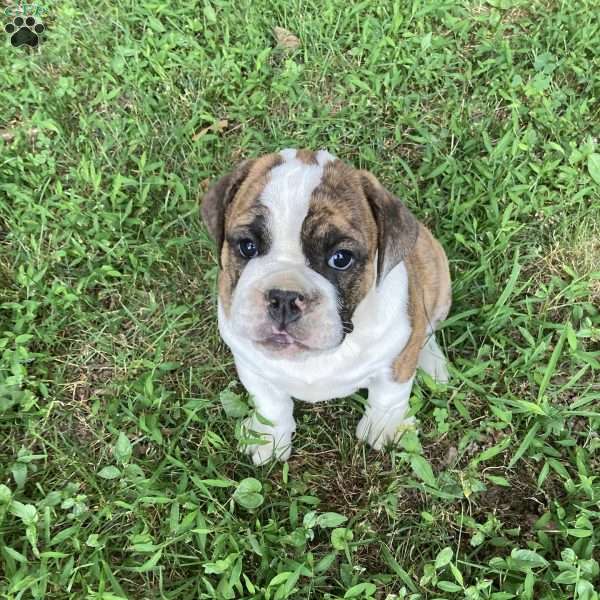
(21, 9)
(26, 27)
(24, 31)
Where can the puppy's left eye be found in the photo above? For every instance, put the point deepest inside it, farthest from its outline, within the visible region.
(248, 248)
(341, 260)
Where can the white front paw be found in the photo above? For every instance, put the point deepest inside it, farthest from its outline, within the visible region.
(378, 427)
(276, 442)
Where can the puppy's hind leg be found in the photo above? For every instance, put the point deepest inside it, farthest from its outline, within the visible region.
(433, 361)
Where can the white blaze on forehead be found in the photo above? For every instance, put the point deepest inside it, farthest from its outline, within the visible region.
(323, 157)
(287, 195)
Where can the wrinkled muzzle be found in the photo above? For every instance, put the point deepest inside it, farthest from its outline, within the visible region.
(285, 307)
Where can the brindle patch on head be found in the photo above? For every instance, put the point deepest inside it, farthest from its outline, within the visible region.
(308, 157)
(339, 218)
(251, 188)
(245, 218)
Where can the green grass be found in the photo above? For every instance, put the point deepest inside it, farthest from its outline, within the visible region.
(119, 473)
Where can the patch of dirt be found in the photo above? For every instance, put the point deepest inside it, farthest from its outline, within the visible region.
(343, 484)
(581, 255)
(90, 379)
(87, 380)
(514, 15)
(285, 39)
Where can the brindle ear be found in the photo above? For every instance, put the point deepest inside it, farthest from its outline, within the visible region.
(397, 228)
(218, 198)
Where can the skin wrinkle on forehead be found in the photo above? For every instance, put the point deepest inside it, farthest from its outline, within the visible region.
(287, 195)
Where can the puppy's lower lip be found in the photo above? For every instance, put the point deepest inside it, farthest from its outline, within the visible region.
(282, 340)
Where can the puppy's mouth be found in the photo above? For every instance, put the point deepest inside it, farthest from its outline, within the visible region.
(282, 342)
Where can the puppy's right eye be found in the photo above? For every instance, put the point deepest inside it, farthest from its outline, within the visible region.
(341, 260)
(248, 248)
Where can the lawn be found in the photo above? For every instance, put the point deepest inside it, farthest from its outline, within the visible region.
(119, 405)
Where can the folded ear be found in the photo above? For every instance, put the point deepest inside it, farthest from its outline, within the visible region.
(218, 198)
(397, 228)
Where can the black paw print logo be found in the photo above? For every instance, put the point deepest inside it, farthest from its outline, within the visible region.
(24, 31)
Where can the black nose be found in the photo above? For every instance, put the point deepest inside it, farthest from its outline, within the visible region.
(284, 307)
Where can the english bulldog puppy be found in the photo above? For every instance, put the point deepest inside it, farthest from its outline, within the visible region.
(328, 284)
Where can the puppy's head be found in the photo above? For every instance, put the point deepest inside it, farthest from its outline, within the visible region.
(302, 237)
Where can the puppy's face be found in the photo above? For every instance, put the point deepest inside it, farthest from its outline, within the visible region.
(302, 238)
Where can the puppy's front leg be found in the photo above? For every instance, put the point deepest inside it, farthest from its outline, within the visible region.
(275, 407)
(384, 419)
